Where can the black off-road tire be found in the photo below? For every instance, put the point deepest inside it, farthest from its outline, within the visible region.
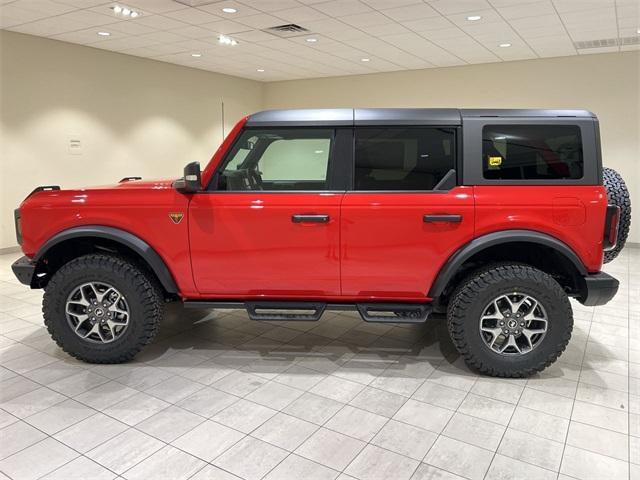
(479, 289)
(142, 293)
(618, 194)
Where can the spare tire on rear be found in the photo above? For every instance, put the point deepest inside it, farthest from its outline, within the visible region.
(618, 194)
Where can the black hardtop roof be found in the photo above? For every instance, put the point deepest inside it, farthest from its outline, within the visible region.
(393, 116)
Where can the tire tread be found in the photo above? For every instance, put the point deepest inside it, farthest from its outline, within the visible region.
(147, 290)
(465, 296)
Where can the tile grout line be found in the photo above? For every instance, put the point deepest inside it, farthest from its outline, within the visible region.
(564, 446)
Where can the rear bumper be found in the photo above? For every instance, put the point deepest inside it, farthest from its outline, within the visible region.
(598, 289)
(24, 270)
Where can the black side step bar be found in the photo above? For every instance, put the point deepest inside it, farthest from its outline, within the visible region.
(394, 312)
(300, 311)
(312, 311)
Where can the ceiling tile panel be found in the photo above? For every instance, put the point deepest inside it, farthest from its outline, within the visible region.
(193, 16)
(341, 8)
(449, 7)
(534, 9)
(392, 34)
(410, 12)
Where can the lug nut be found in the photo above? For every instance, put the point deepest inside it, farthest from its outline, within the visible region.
(502, 324)
(522, 324)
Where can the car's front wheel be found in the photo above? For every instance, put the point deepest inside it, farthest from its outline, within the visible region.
(102, 308)
(510, 320)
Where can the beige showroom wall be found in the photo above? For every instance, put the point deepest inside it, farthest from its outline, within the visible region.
(133, 117)
(607, 84)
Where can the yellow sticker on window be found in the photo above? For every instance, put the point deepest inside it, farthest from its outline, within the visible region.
(495, 161)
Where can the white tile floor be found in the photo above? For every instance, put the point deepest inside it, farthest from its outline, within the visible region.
(220, 397)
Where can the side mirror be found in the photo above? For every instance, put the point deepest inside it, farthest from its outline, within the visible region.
(191, 181)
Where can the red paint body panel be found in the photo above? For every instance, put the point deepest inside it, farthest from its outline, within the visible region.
(141, 208)
(247, 244)
(388, 251)
(572, 214)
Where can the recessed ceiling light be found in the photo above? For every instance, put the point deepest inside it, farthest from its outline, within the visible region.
(197, 55)
(104, 34)
(124, 11)
(229, 10)
(260, 70)
(224, 40)
(504, 45)
(312, 40)
(474, 18)
(365, 59)
(638, 30)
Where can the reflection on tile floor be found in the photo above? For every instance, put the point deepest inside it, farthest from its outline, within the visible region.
(217, 396)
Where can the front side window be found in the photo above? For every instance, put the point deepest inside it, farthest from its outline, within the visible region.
(403, 158)
(277, 159)
(532, 152)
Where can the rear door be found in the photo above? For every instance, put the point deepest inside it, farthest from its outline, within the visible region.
(269, 223)
(405, 215)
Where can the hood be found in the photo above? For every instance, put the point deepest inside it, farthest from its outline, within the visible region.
(52, 194)
(139, 184)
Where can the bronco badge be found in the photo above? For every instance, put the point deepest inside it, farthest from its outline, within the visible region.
(176, 217)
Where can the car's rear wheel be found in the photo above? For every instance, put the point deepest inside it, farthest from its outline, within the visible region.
(102, 308)
(618, 194)
(510, 320)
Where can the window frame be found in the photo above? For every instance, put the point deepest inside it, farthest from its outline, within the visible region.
(457, 156)
(336, 157)
(473, 156)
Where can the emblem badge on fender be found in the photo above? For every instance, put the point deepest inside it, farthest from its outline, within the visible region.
(176, 217)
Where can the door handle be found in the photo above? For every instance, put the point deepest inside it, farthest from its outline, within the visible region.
(429, 218)
(301, 218)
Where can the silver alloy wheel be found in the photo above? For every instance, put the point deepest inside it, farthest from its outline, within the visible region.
(97, 312)
(513, 324)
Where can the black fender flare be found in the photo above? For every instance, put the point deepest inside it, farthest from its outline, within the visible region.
(139, 246)
(476, 245)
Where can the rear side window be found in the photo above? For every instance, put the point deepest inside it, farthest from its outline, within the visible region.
(403, 158)
(532, 152)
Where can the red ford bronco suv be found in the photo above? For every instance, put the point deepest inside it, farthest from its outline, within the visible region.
(495, 217)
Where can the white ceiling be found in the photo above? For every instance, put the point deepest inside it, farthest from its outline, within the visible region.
(393, 34)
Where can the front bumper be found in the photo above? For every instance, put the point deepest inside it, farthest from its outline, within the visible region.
(598, 289)
(24, 270)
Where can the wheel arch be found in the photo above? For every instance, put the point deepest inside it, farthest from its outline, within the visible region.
(77, 241)
(537, 249)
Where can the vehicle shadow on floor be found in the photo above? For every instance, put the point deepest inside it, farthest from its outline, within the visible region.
(340, 343)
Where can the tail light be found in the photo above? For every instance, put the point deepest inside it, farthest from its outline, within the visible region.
(611, 224)
(18, 223)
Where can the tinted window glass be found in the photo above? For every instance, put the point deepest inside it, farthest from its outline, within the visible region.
(532, 152)
(403, 158)
(278, 159)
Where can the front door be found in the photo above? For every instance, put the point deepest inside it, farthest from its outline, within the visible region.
(269, 223)
(405, 215)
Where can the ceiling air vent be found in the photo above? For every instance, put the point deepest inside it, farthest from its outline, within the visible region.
(288, 30)
(607, 42)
